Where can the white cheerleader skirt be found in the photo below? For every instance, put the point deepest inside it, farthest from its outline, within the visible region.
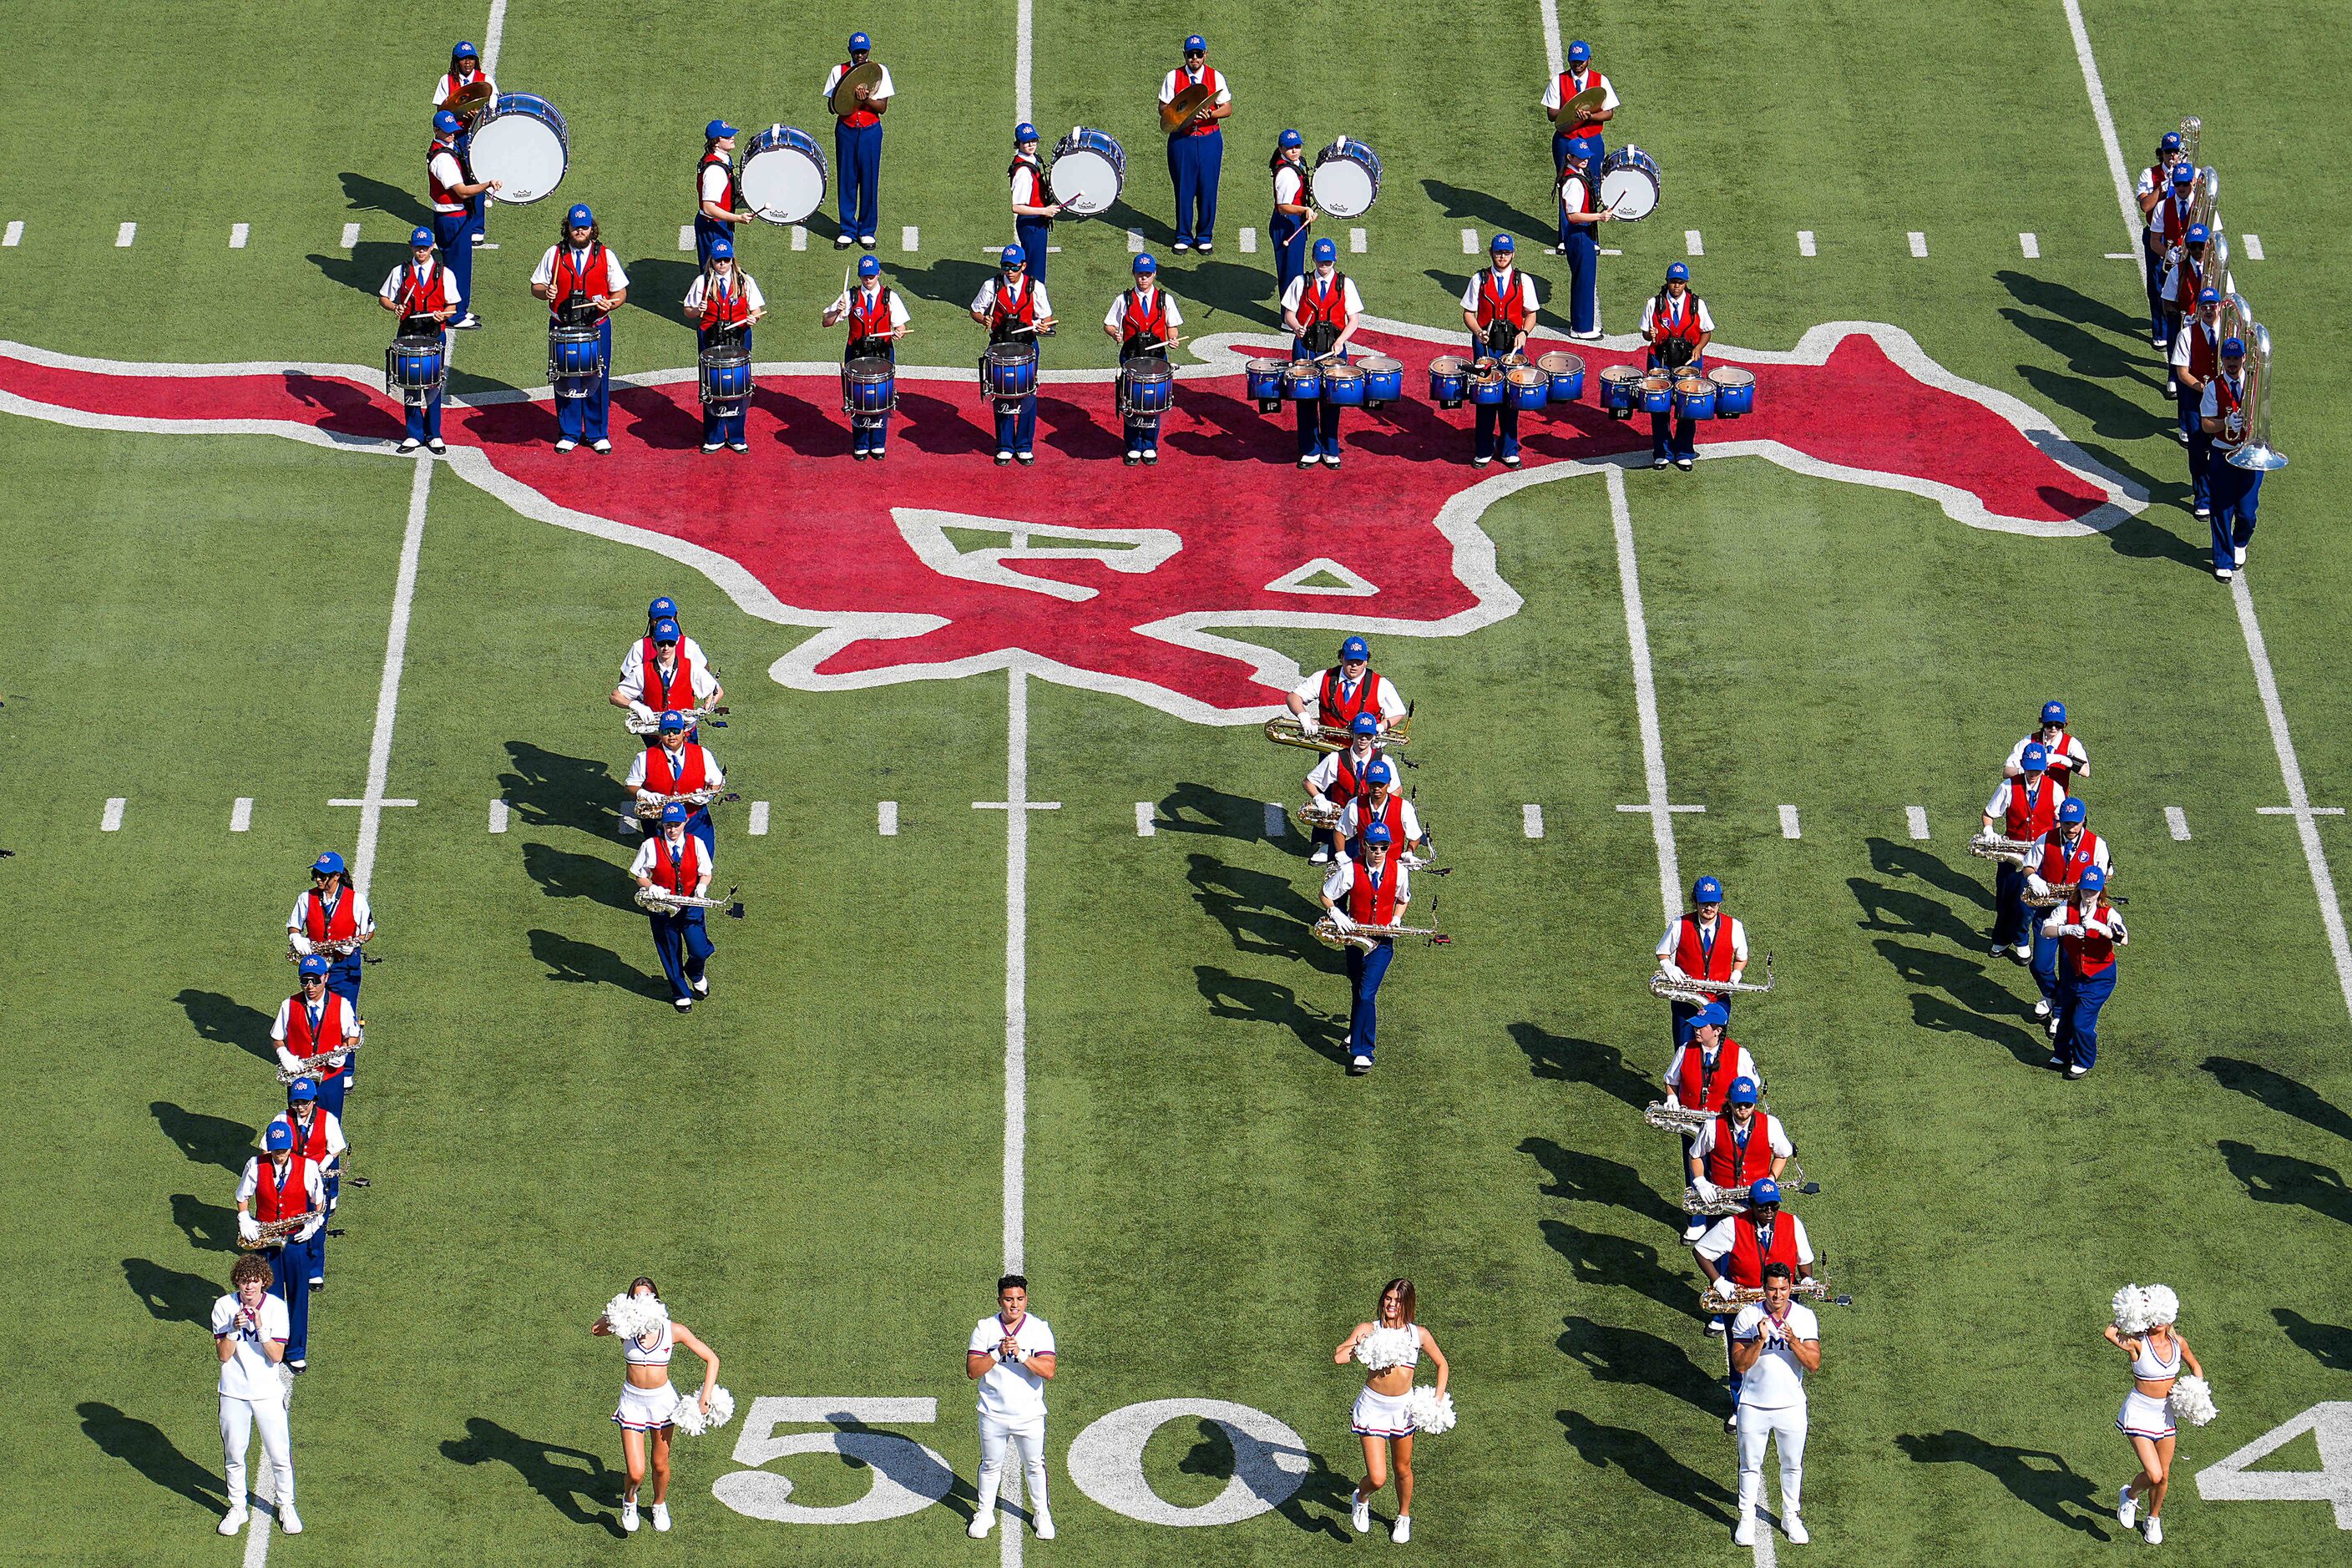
(646, 1409)
(1380, 1415)
(2143, 1417)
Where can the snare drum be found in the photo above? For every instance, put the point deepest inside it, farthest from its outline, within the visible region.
(1343, 386)
(1628, 184)
(1302, 381)
(1735, 391)
(1656, 393)
(1620, 389)
(870, 389)
(1347, 178)
(1008, 371)
(1264, 377)
(1383, 379)
(785, 174)
(415, 368)
(574, 359)
(1089, 170)
(1694, 396)
(520, 141)
(1448, 374)
(1567, 373)
(1485, 386)
(725, 374)
(1528, 386)
(1147, 389)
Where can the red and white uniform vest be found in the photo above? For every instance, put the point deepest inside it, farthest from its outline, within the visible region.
(1321, 302)
(724, 304)
(676, 871)
(2189, 281)
(857, 119)
(1145, 322)
(1676, 319)
(2227, 398)
(421, 295)
(677, 693)
(1586, 184)
(2034, 812)
(443, 198)
(2094, 953)
(1205, 125)
(1501, 300)
(275, 1198)
(1703, 955)
(1698, 1087)
(2061, 866)
(1727, 1166)
(1570, 84)
(734, 202)
(303, 1040)
(1348, 777)
(1749, 1254)
(870, 318)
(2204, 351)
(321, 926)
(1370, 903)
(2175, 210)
(1334, 709)
(1014, 304)
(586, 278)
(1390, 814)
(311, 1146)
(692, 772)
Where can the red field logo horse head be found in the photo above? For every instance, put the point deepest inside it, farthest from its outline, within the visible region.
(1147, 582)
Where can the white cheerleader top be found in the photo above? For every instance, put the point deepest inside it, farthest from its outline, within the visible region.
(1384, 1348)
(2148, 1367)
(639, 1354)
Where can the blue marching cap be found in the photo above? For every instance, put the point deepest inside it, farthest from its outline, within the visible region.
(1742, 1091)
(673, 812)
(1763, 1190)
(1145, 264)
(328, 865)
(1677, 273)
(1024, 132)
(665, 631)
(2053, 713)
(1196, 45)
(301, 1089)
(1379, 772)
(672, 723)
(717, 129)
(312, 963)
(2182, 174)
(2233, 347)
(2071, 811)
(2170, 143)
(579, 217)
(279, 1138)
(1578, 52)
(2036, 757)
(1500, 244)
(446, 122)
(1707, 891)
(858, 41)
(1378, 833)
(2208, 296)
(2197, 234)
(1714, 1016)
(2092, 879)
(868, 267)
(1014, 256)
(422, 237)
(1290, 138)
(1355, 648)
(1365, 724)
(1326, 251)
(465, 51)
(662, 609)
(722, 249)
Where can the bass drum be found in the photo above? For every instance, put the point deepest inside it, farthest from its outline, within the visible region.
(521, 141)
(1089, 170)
(1347, 178)
(784, 175)
(1628, 184)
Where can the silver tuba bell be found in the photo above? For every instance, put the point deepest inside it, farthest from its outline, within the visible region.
(2255, 451)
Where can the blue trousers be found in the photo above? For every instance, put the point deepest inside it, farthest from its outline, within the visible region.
(343, 973)
(682, 941)
(1194, 165)
(1680, 1013)
(705, 229)
(2046, 962)
(1491, 420)
(725, 429)
(1365, 973)
(290, 1281)
(699, 825)
(1143, 437)
(454, 233)
(1288, 236)
(585, 418)
(857, 164)
(333, 1090)
(318, 1242)
(1318, 422)
(2159, 311)
(1583, 275)
(1016, 425)
(2010, 918)
(2236, 493)
(1672, 435)
(2200, 448)
(424, 420)
(1035, 238)
(2080, 997)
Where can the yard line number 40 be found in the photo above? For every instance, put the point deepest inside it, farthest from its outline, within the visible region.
(2330, 1426)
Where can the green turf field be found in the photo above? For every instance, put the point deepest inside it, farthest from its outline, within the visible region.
(813, 1164)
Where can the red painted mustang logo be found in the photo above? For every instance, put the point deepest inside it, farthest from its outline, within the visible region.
(1143, 581)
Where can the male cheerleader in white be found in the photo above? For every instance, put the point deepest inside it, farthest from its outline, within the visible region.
(1774, 1344)
(249, 1331)
(1012, 1356)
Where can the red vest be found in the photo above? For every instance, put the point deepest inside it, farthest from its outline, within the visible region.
(2062, 865)
(2032, 819)
(1703, 960)
(1495, 304)
(1333, 710)
(299, 1038)
(858, 118)
(868, 320)
(1569, 89)
(674, 695)
(2204, 349)
(1348, 780)
(1037, 194)
(2090, 953)
(1390, 814)
(318, 926)
(594, 279)
(276, 1200)
(734, 201)
(1666, 324)
(443, 198)
(677, 873)
(1320, 303)
(1698, 1087)
(729, 307)
(1203, 126)
(1145, 324)
(2175, 210)
(1585, 184)
(416, 298)
(692, 776)
(1726, 1165)
(311, 1146)
(2191, 276)
(2227, 397)
(2061, 763)
(1014, 304)
(1746, 1260)
(1370, 905)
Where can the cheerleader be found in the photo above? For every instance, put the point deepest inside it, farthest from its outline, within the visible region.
(2143, 1331)
(251, 1331)
(649, 1404)
(1385, 1416)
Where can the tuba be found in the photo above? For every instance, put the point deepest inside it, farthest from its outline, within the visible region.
(2255, 451)
(2192, 130)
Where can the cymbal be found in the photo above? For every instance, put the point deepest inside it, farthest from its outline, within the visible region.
(470, 99)
(1588, 102)
(845, 91)
(1188, 102)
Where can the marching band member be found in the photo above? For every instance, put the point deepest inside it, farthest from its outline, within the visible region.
(450, 190)
(718, 192)
(857, 146)
(2236, 492)
(1733, 1254)
(279, 1184)
(1348, 690)
(723, 301)
(878, 320)
(583, 283)
(1196, 150)
(1582, 132)
(649, 1401)
(1699, 1076)
(2023, 807)
(332, 909)
(1142, 320)
(1370, 891)
(424, 295)
(1014, 306)
(1338, 777)
(2184, 279)
(1010, 1356)
(665, 673)
(1774, 1344)
(1033, 206)
(1702, 945)
(1379, 805)
(2144, 1330)
(1321, 312)
(313, 1022)
(1581, 213)
(678, 765)
(2155, 182)
(2196, 354)
(2089, 928)
(250, 1329)
(1286, 229)
(1499, 306)
(677, 862)
(2168, 227)
(1390, 1346)
(2063, 757)
(1740, 1146)
(465, 71)
(2058, 860)
(1676, 326)
(317, 1137)
(663, 608)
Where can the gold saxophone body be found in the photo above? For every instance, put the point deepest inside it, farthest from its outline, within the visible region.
(318, 1068)
(330, 949)
(1328, 933)
(272, 1232)
(1317, 816)
(1734, 1200)
(1816, 1291)
(1288, 730)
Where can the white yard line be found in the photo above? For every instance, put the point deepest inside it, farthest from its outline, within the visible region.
(1249, 242)
(1531, 821)
(15, 235)
(1918, 243)
(493, 34)
(1692, 244)
(1135, 242)
(2031, 245)
(2176, 822)
(237, 233)
(1646, 692)
(800, 235)
(125, 234)
(395, 659)
(1804, 242)
(1276, 821)
(2323, 881)
(110, 819)
(1917, 816)
(351, 235)
(1146, 825)
(1356, 241)
(1024, 26)
(241, 814)
(1552, 56)
(2253, 243)
(755, 825)
(264, 1522)
(1469, 242)
(886, 819)
(910, 238)
(686, 236)
(1789, 827)
(498, 816)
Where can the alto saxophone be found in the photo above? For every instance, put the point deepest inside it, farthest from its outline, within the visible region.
(1734, 1200)
(1327, 932)
(271, 1232)
(329, 947)
(1675, 1119)
(659, 901)
(650, 804)
(318, 1068)
(1990, 846)
(1699, 993)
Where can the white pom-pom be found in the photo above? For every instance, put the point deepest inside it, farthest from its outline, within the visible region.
(2131, 1309)
(723, 1406)
(1384, 1348)
(633, 1317)
(2163, 1306)
(2191, 1401)
(688, 1417)
(1430, 1412)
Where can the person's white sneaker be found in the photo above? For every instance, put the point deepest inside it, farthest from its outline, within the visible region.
(1044, 1525)
(235, 1521)
(1360, 1065)
(1402, 1531)
(701, 987)
(2240, 555)
(978, 1528)
(1796, 1528)
(436, 445)
(2042, 1009)
(2154, 1531)
(1359, 1510)
(1321, 857)
(1744, 1532)
(566, 444)
(2023, 949)
(2078, 1070)
(661, 1516)
(291, 1522)
(407, 446)
(2127, 1507)
(629, 1515)
(600, 446)
(2221, 575)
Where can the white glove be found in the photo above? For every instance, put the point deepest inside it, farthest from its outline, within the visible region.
(1707, 1191)
(2070, 930)
(311, 1229)
(642, 712)
(1723, 1286)
(288, 1060)
(247, 1228)
(2041, 889)
(300, 944)
(1343, 920)
(1670, 968)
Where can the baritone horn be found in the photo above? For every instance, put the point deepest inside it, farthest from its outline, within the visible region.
(2255, 450)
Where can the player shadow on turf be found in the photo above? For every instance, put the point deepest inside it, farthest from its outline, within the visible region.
(1973, 1003)
(1490, 213)
(584, 963)
(213, 1140)
(1074, 430)
(228, 1021)
(1313, 1506)
(1588, 1178)
(2034, 1476)
(2280, 1093)
(1231, 995)
(562, 874)
(564, 1477)
(2283, 1179)
(206, 1226)
(362, 194)
(1642, 1459)
(1891, 859)
(1613, 1354)
(1264, 913)
(168, 1294)
(1599, 1257)
(142, 1445)
(548, 789)
(940, 426)
(1561, 1059)
(1231, 289)
(1907, 913)
(2329, 1343)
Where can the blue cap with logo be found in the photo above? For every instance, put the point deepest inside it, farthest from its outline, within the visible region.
(328, 865)
(1364, 724)
(2182, 174)
(672, 723)
(422, 238)
(1145, 264)
(1014, 256)
(1677, 273)
(859, 43)
(1196, 45)
(718, 129)
(1380, 772)
(2036, 757)
(722, 249)
(2170, 143)
(1354, 649)
(662, 609)
(465, 51)
(1326, 251)
(2071, 811)
(1290, 138)
(448, 123)
(1714, 1016)
(2092, 880)
(302, 1090)
(2233, 347)
(2197, 234)
(868, 267)
(665, 631)
(1707, 891)
(1742, 1092)
(672, 814)
(1763, 1192)
(2208, 296)
(1500, 245)
(1378, 833)
(1024, 132)
(1578, 52)
(312, 964)
(279, 1138)
(2053, 713)
(579, 217)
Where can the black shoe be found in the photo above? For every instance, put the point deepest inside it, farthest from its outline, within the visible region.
(357, 1182)
(877, 454)
(1002, 459)
(1658, 462)
(1150, 459)
(317, 1286)
(842, 242)
(1025, 459)
(1684, 464)
(857, 457)
(1130, 460)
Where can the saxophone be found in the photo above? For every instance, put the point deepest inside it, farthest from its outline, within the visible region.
(1734, 1200)
(271, 1232)
(1328, 933)
(649, 806)
(1990, 846)
(1699, 993)
(1288, 730)
(330, 949)
(1316, 814)
(1675, 1119)
(659, 901)
(319, 1068)
(694, 716)
(1816, 1291)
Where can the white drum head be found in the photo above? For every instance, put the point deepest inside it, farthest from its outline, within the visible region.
(1632, 192)
(1084, 181)
(782, 185)
(1342, 188)
(523, 153)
